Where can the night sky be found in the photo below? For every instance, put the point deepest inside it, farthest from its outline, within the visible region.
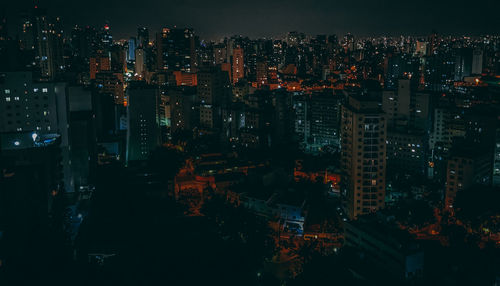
(213, 19)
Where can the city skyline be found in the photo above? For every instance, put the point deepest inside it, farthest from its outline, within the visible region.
(249, 143)
(213, 21)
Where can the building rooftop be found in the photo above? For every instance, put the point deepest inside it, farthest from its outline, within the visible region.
(387, 233)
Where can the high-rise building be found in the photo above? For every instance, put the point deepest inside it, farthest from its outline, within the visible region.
(421, 48)
(176, 50)
(406, 107)
(407, 112)
(183, 108)
(324, 114)
(406, 151)
(317, 120)
(238, 67)
(140, 64)
(440, 133)
(84, 42)
(261, 73)
(220, 54)
(496, 162)
(112, 84)
(143, 37)
(30, 180)
(98, 63)
(477, 61)
(45, 36)
(213, 91)
(83, 141)
(301, 107)
(143, 134)
(106, 39)
(466, 167)
(39, 108)
(118, 59)
(132, 45)
(363, 154)
(463, 63)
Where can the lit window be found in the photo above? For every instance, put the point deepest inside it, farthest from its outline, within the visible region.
(7, 99)
(16, 98)
(45, 90)
(35, 90)
(7, 91)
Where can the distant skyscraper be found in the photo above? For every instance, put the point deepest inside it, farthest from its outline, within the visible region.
(496, 162)
(477, 62)
(84, 42)
(132, 44)
(238, 65)
(143, 37)
(421, 48)
(140, 61)
(363, 156)
(118, 55)
(106, 38)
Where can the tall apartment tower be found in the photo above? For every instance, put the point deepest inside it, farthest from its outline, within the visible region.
(238, 65)
(363, 156)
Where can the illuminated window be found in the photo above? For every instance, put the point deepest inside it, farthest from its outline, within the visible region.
(45, 90)
(16, 98)
(7, 91)
(7, 99)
